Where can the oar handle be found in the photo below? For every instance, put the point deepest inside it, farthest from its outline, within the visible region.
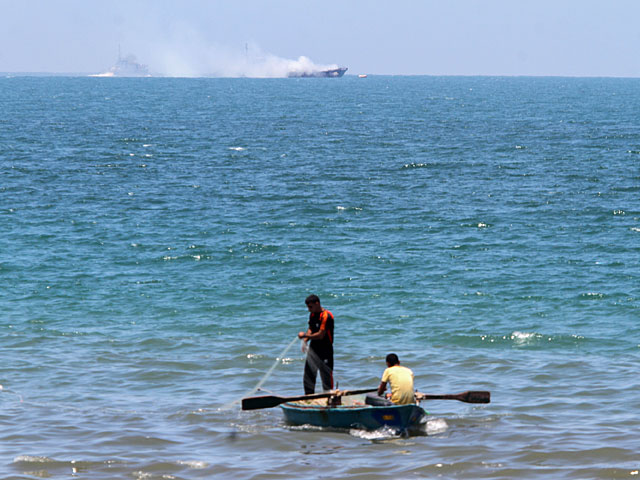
(268, 401)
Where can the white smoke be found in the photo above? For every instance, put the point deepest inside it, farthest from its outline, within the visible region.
(192, 57)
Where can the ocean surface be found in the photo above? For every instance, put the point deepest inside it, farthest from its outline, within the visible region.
(158, 238)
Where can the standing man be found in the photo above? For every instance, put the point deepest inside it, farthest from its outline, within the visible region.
(401, 380)
(320, 352)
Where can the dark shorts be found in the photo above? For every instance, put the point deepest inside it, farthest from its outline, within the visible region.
(314, 364)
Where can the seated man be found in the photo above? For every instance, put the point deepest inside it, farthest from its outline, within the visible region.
(401, 380)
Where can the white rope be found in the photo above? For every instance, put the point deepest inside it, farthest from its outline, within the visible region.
(264, 379)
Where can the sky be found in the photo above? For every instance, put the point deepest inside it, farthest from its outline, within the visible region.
(260, 38)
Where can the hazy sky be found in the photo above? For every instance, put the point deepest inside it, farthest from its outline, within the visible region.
(434, 37)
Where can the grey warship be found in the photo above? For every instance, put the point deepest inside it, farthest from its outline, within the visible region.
(126, 67)
(332, 73)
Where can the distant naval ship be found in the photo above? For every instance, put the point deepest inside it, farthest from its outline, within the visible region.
(126, 67)
(332, 73)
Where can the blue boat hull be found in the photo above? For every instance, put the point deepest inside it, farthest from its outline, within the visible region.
(399, 417)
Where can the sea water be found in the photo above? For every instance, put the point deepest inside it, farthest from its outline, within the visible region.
(158, 238)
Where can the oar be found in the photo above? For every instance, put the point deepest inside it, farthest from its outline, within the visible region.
(472, 396)
(268, 401)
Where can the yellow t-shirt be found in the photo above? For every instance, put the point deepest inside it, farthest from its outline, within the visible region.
(401, 381)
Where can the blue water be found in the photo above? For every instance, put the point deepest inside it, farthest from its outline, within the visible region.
(158, 238)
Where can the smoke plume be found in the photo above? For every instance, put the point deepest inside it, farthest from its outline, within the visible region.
(194, 59)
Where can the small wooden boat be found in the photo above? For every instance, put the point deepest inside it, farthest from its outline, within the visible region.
(353, 412)
(348, 409)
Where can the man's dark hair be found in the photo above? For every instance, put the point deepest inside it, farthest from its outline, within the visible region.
(392, 359)
(312, 299)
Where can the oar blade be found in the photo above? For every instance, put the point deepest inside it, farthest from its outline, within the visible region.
(470, 396)
(267, 401)
(477, 396)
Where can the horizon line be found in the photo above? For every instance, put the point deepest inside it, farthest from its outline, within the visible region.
(353, 75)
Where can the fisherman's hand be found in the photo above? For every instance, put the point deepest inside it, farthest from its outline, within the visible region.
(301, 335)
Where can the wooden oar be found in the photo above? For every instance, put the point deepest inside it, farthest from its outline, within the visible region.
(469, 396)
(268, 401)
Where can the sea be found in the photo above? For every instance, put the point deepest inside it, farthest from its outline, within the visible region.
(158, 238)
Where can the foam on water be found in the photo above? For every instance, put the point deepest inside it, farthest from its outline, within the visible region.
(435, 426)
(379, 435)
(32, 459)
(195, 464)
(306, 427)
(525, 337)
(430, 426)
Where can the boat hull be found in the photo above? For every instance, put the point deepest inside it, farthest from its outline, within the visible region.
(399, 417)
(332, 73)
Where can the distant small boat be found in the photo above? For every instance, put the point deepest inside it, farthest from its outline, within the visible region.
(354, 412)
(331, 73)
(362, 75)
